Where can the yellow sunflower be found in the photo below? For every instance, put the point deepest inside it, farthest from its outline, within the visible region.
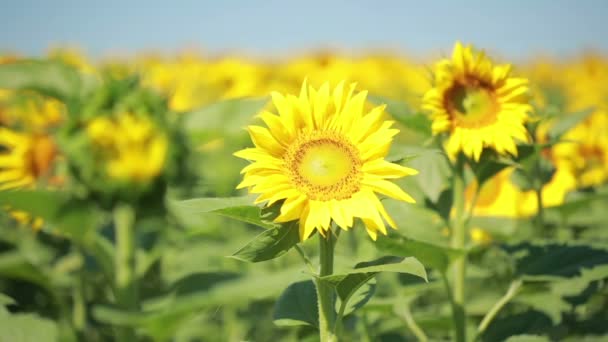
(480, 105)
(24, 158)
(132, 148)
(324, 155)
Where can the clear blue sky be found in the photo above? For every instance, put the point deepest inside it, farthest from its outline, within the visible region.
(514, 28)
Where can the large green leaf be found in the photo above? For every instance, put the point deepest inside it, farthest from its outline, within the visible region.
(409, 265)
(50, 78)
(555, 259)
(528, 322)
(545, 302)
(238, 208)
(297, 305)
(434, 172)
(270, 244)
(27, 328)
(434, 256)
(74, 218)
(228, 116)
(241, 290)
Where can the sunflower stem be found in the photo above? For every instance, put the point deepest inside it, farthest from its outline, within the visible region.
(125, 281)
(459, 231)
(325, 293)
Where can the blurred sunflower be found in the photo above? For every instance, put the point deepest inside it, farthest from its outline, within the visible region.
(24, 159)
(479, 104)
(497, 196)
(585, 151)
(323, 154)
(131, 147)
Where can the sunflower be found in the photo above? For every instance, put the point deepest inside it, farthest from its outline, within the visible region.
(24, 158)
(324, 156)
(131, 147)
(497, 197)
(479, 104)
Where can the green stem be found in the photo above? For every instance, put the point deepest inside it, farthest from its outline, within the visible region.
(305, 258)
(325, 293)
(125, 281)
(407, 316)
(487, 319)
(459, 231)
(79, 311)
(540, 214)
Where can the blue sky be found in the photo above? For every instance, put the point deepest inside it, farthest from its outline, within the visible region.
(515, 28)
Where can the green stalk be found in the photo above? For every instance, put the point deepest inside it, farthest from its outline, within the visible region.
(459, 231)
(406, 314)
(325, 293)
(79, 310)
(125, 281)
(540, 214)
(511, 292)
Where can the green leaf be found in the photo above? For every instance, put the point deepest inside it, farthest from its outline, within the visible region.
(27, 328)
(209, 204)
(271, 244)
(566, 122)
(545, 302)
(248, 214)
(231, 292)
(528, 322)
(297, 305)
(434, 172)
(555, 259)
(401, 112)
(73, 218)
(434, 256)
(228, 116)
(6, 300)
(50, 78)
(408, 265)
(357, 297)
(487, 168)
(527, 338)
(238, 208)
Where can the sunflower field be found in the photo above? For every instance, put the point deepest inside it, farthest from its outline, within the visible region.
(317, 197)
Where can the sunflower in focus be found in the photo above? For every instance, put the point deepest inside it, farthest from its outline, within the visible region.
(479, 104)
(323, 154)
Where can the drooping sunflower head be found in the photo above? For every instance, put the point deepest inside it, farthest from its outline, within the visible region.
(478, 104)
(323, 155)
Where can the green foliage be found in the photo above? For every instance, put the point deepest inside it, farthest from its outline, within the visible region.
(50, 78)
(297, 305)
(434, 256)
(270, 244)
(222, 118)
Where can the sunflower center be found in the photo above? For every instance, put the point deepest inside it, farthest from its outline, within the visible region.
(41, 155)
(325, 166)
(471, 104)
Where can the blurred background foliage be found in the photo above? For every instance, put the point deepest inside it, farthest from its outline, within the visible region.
(82, 140)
